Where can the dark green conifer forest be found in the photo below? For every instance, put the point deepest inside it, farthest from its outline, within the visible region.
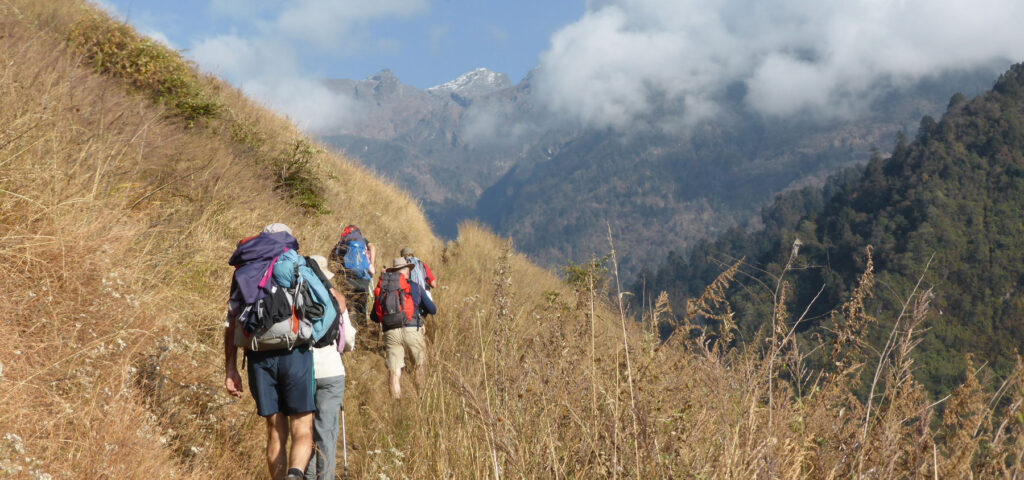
(943, 214)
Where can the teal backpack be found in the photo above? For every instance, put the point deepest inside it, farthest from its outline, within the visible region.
(313, 300)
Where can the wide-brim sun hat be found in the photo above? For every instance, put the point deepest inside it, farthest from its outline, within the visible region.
(397, 264)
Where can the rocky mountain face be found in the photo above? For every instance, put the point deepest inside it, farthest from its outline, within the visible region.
(418, 138)
(472, 84)
(480, 147)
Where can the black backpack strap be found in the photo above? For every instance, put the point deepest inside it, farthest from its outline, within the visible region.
(315, 267)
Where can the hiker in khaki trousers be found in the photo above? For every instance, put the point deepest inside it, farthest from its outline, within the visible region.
(400, 307)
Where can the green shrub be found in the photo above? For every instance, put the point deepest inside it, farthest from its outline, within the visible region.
(158, 71)
(247, 134)
(296, 173)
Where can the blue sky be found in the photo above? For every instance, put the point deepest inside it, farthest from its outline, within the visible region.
(425, 42)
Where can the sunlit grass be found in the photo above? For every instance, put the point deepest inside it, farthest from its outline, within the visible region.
(116, 220)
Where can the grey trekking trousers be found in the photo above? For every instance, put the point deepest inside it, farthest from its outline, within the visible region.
(330, 392)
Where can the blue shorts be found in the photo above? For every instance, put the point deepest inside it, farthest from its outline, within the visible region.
(281, 381)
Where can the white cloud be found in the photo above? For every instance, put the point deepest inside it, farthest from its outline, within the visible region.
(307, 102)
(497, 123)
(241, 59)
(270, 72)
(627, 58)
(265, 62)
(327, 23)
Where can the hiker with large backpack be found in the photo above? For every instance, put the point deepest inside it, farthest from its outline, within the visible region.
(354, 258)
(278, 307)
(329, 394)
(420, 272)
(400, 307)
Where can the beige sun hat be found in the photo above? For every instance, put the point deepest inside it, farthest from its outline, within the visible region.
(398, 264)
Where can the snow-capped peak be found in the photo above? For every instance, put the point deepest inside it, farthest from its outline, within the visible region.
(476, 82)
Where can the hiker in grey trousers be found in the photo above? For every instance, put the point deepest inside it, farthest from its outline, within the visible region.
(329, 373)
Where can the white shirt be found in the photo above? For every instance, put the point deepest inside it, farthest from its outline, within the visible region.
(327, 360)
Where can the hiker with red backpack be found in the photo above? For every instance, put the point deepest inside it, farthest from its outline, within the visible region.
(279, 306)
(354, 258)
(400, 307)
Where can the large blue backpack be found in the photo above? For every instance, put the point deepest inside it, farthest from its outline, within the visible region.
(351, 251)
(356, 262)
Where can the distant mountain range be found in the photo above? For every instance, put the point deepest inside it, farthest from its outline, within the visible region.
(418, 138)
(480, 147)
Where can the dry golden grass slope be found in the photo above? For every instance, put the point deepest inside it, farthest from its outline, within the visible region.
(125, 181)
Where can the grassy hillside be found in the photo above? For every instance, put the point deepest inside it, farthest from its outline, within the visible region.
(118, 211)
(125, 181)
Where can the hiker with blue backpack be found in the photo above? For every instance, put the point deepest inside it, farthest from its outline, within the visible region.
(400, 306)
(420, 272)
(354, 258)
(280, 305)
(329, 394)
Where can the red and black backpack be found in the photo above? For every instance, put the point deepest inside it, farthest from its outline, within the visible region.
(394, 302)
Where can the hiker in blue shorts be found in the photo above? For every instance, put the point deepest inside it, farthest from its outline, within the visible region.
(281, 381)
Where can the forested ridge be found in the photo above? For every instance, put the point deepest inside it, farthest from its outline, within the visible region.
(945, 208)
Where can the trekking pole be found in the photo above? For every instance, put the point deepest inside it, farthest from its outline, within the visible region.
(344, 443)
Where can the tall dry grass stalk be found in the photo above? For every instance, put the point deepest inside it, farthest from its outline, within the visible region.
(625, 348)
(116, 219)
